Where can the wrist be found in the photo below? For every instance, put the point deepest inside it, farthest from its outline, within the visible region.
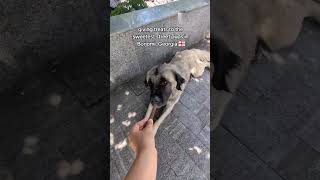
(147, 151)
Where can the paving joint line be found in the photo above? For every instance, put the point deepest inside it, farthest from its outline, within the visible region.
(250, 150)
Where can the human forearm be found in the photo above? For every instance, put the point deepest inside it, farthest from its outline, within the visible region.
(145, 166)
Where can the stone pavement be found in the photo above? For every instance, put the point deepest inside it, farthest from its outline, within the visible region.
(182, 140)
(53, 124)
(271, 130)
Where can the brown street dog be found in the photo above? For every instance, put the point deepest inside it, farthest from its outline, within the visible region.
(243, 28)
(167, 81)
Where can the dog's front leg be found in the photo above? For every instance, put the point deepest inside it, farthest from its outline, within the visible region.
(165, 113)
(148, 111)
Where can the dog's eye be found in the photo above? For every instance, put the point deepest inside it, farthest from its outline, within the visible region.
(163, 83)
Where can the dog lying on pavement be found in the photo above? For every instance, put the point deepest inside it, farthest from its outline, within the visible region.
(168, 81)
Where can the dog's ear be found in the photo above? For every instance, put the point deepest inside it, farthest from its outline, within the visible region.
(152, 71)
(180, 80)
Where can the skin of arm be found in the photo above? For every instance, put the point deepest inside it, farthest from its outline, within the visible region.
(141, 141)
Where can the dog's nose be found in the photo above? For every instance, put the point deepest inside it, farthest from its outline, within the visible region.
(156, 99)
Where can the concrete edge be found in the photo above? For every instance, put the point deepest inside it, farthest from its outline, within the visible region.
(132, 20)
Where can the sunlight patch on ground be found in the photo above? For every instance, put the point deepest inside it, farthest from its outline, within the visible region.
(208, 155)
(5, 174)
(112, 79)
(111, 119)
(126, 123)
(65, 168)
(76, 167)
(55, 99)
(31, 140)
(30, 143)
(119, 107)
(131, 114)
(111, 139)
(196, 149)
(27, 150)
(121, 144)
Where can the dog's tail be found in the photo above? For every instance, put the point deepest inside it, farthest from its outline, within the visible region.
(203, 55)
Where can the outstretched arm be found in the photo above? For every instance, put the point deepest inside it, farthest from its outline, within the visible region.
(141, 140)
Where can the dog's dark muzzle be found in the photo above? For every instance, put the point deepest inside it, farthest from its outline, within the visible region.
(156, 101)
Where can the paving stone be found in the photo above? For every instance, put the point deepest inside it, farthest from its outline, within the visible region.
(204, 135)
(300, 163)
(172, 126)
(206, 76)
(262, 136)
(224, 164)
(96, 172)
(99, 116)
(123, 161)
(145, 98)
(191, 121)
(123, 156)
(38, 165)
(121, 105)
(188, 101)
(114, 174)
(170, 175)
(200, 82)
(162, 168)
(94, 161)
(56, 138)
(260, 173)
(93, 154)
(137, 85)
(123, 96)
(86, 80)
(83, 134)
(235, 161)
(185, 168)
(31, 103)
(206, 103)
(35, 168)
(119, 137)
(204, 114)
(187, 140)
(197, 151)
(200, 94)
(167, 148)
(133, 116)
(310, 131)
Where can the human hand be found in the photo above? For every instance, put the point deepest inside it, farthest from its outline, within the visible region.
(141, 136)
